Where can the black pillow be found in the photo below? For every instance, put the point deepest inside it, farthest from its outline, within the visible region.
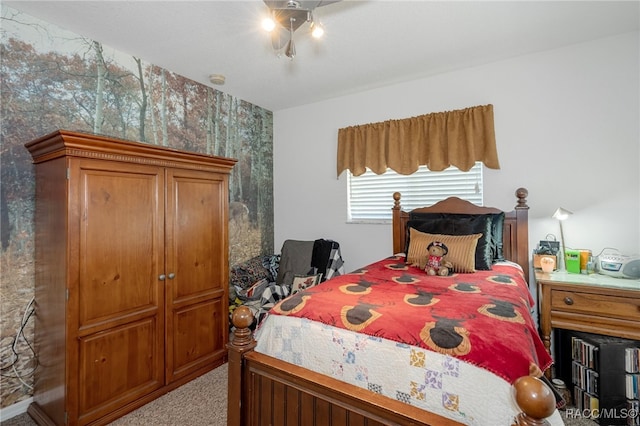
(489, 247)
(497, 228)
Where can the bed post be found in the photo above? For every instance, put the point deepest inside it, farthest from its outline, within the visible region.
(241, 342)
(398, 225)
(522, 231)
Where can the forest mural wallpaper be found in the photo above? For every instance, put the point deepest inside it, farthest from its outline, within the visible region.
(53, 79)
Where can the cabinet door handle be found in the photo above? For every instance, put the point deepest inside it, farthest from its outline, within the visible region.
(172, 276)
(162, 277)
(568, 301)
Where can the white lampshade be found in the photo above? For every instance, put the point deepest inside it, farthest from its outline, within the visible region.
(561, 214)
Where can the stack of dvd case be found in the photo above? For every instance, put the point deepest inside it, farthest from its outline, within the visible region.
(604, 373)
(632, 379)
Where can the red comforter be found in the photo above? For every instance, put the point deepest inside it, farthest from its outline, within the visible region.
(482, 318)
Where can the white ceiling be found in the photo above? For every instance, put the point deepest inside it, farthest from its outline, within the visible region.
(367, 44)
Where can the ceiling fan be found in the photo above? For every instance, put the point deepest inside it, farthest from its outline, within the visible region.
(289, 15)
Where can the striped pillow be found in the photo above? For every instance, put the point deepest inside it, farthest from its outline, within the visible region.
(462, 249)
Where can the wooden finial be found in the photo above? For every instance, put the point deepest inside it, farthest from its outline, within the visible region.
(522, 194)
(396, 200)
(242, 318)
(535, 399)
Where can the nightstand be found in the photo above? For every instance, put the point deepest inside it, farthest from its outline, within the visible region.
(590, 303)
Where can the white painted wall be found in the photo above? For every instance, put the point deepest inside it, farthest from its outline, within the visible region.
(567, 128)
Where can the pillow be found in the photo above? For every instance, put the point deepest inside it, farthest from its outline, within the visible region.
(247, 273)
(302, 282)
(254, 292)
(497, 224)
(461, 225)
(461, 254)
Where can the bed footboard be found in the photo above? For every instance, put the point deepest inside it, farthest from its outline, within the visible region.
(265, 390)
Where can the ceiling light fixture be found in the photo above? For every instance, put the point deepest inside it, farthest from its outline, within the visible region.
(317, 31)
(268, 24)
(286, 17)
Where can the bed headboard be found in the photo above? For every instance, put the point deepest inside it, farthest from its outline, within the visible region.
(516, 224)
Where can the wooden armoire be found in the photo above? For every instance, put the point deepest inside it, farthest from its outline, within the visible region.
(131, 271)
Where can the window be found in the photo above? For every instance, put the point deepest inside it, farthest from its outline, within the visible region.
(370, 196)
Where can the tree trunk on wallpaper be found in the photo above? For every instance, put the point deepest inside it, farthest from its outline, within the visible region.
(185, 115)
(163, 108)
(101, 71)
(231, 139)
(209, 123)
(5, 230)
(122, 102)
(264, 184)
(236, 151)
(143, 100)
(154, 121)
(229, 127)
(216, 123)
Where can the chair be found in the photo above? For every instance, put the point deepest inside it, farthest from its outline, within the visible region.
(304, 258)
(299, 261)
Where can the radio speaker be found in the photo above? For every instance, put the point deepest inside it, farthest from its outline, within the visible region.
(631, 269)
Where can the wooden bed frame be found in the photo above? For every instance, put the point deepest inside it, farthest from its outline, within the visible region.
(266, 391)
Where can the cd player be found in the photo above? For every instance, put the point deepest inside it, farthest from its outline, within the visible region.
(619, 266)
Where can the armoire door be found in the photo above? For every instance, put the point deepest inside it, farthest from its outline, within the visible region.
(196, 270)
(117, 220)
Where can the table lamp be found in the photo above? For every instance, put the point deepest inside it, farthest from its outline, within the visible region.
(562, 214)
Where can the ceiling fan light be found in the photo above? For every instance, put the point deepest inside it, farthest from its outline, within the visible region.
(268, 24)
(289, 15)
(317, 31)
(290, 50)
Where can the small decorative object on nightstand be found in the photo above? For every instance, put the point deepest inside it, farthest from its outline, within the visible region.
(548, 264)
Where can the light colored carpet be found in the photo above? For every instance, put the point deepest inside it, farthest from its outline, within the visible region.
(201, 402)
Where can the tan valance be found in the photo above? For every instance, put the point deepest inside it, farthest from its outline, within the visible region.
(438, 140)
